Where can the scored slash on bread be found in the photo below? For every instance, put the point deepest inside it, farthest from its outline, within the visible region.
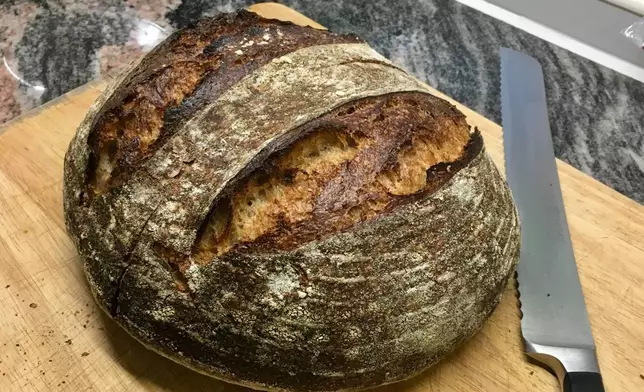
(283, 208)
(185, 73)
(353, 163)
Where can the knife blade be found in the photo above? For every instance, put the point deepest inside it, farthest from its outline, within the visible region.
(555, 326)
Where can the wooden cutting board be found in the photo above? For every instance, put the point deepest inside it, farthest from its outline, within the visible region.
(53, 337)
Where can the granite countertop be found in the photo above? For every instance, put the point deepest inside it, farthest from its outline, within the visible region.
(597, 115)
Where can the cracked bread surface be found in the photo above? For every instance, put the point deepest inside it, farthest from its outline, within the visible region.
(282, 208)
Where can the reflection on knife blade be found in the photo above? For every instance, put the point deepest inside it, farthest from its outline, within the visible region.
(555, 324)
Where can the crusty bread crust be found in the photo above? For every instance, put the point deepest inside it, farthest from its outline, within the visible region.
(319, 222)
(188, 71)
(360, 160)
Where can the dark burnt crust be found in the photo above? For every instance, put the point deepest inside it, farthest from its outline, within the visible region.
(226, 320)
(258, 360)
(213, 54)
(392, 129)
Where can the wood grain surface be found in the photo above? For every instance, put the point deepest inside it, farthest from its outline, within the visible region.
(53, 337)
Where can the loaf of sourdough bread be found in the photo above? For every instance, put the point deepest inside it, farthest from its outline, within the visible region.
(283, 208)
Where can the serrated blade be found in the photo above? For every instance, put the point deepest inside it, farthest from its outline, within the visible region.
(552, 301)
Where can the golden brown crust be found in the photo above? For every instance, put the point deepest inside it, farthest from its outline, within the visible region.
(199, 63)
(354, 163)
(376, 304)
(395, 249)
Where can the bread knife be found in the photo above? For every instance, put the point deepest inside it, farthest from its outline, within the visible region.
(555, 326)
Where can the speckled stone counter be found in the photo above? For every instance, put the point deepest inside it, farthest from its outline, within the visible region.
(596, 114)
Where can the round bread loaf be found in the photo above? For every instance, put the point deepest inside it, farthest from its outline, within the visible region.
(281, 207)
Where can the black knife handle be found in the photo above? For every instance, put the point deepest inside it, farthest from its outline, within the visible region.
(583, 382)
